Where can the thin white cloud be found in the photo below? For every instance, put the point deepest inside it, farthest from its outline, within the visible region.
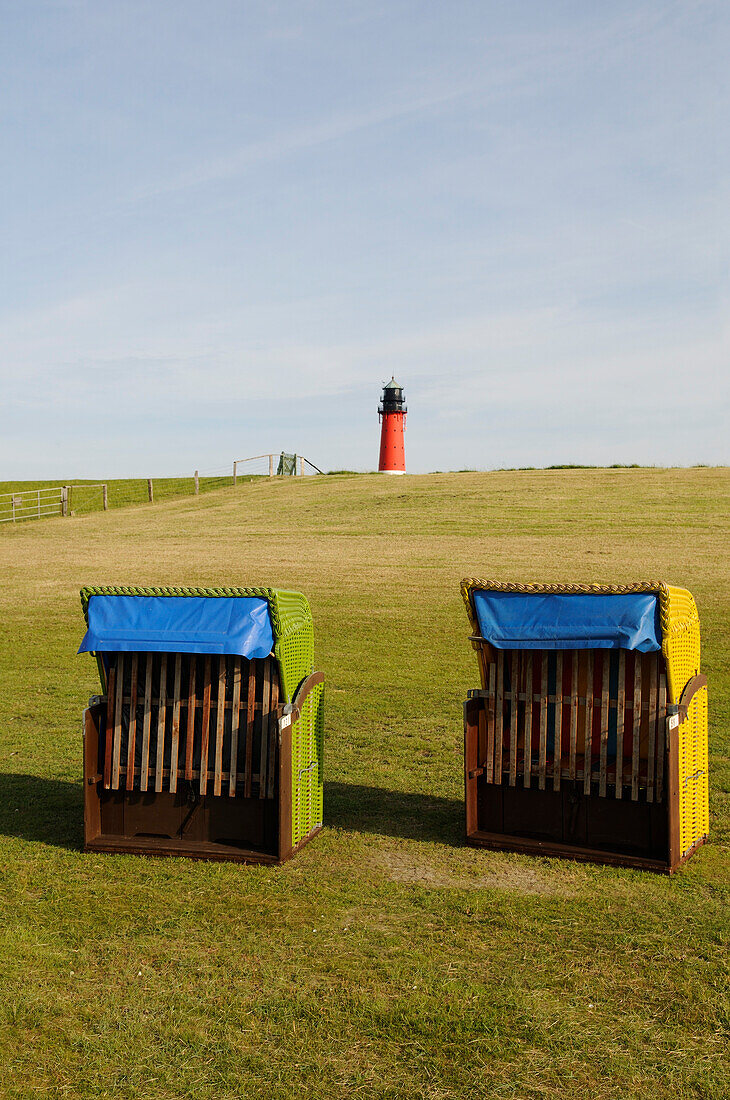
(294, 141)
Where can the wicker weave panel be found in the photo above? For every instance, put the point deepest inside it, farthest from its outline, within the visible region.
(307, 766)
(694, 809)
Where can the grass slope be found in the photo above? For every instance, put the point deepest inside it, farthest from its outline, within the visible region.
(387, 960)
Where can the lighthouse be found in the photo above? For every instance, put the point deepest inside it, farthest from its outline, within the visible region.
(393, 410)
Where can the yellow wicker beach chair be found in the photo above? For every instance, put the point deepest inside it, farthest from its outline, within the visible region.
(588, 736)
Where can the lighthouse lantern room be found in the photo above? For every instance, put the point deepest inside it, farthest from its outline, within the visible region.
(392, 409)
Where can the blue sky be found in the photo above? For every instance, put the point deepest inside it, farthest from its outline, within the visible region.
(226, 224)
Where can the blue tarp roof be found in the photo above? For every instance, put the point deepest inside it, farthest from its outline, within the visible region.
(513, 620)
(179, 624)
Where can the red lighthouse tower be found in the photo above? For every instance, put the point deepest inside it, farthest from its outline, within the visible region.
(393, 410)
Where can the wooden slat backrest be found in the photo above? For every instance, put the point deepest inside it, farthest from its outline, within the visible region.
(235, 725)
(264, 732)
(205, 728)
(499, 719)
(110, 706)
(542, 762)
(652, 726)
(636, 740)
(558, 721)
(515, 669)
(250, 715)
(620, 721)
(588, 724)
(604, 710)
(132, 733)
(220, 715)
(117, 749)
(228, 708)
(573, 714)
(146, 724)
(161, 722)
(529, 706)
(190, 731)
(175, 732)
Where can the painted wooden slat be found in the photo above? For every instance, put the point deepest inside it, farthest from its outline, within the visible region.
(637, 730)
(161, 722)
(573, 714)
(620, 724)
(132, 734)
(220, 715)
(499, 718)
(146, 723)
(250, 715)
(603, 752)
(661, 738)
(205, 739)
(265, 710)
(515, 670)
(273, 732)
(175, 730)
(558, 732)
(652, 727)
(588, 728)
(482, 735)
(190, 725)
(491, 720)
(235, 720)
(111, 699)
(542, 765)
(527, 747)
(119, 692)
(481, 726)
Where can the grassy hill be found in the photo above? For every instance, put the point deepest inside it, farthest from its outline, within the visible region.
(387, 959)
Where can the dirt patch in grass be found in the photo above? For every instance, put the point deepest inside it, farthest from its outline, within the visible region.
(519, 876)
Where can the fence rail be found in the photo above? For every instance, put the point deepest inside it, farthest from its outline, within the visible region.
(277, 464)
(33, 504)
(66, 500)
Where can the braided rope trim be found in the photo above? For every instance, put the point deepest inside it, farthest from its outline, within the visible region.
(267, 594)
(661, 589)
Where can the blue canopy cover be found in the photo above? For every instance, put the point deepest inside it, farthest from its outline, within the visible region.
(179, 624)
(513, 620)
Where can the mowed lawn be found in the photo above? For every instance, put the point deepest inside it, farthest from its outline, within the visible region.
(388, 959)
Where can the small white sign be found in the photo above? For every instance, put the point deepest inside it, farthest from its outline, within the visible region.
(673, 721)
(285, 721)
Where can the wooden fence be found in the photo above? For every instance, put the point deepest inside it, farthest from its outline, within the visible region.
(59, 500)
(34, 504)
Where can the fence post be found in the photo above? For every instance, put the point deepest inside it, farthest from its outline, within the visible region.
(39, 504)
(197, 483)
(234, 472)
(105, 497)
(150, 491)
(13, 503)
(63, 500)
(301, 466)
(271, 465)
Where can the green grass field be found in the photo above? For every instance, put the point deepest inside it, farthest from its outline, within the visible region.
(387, 959)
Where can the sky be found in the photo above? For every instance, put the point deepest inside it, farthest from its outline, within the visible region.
(226, 224)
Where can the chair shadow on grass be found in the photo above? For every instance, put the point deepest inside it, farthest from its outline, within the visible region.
(49, 811)
(362, 809)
